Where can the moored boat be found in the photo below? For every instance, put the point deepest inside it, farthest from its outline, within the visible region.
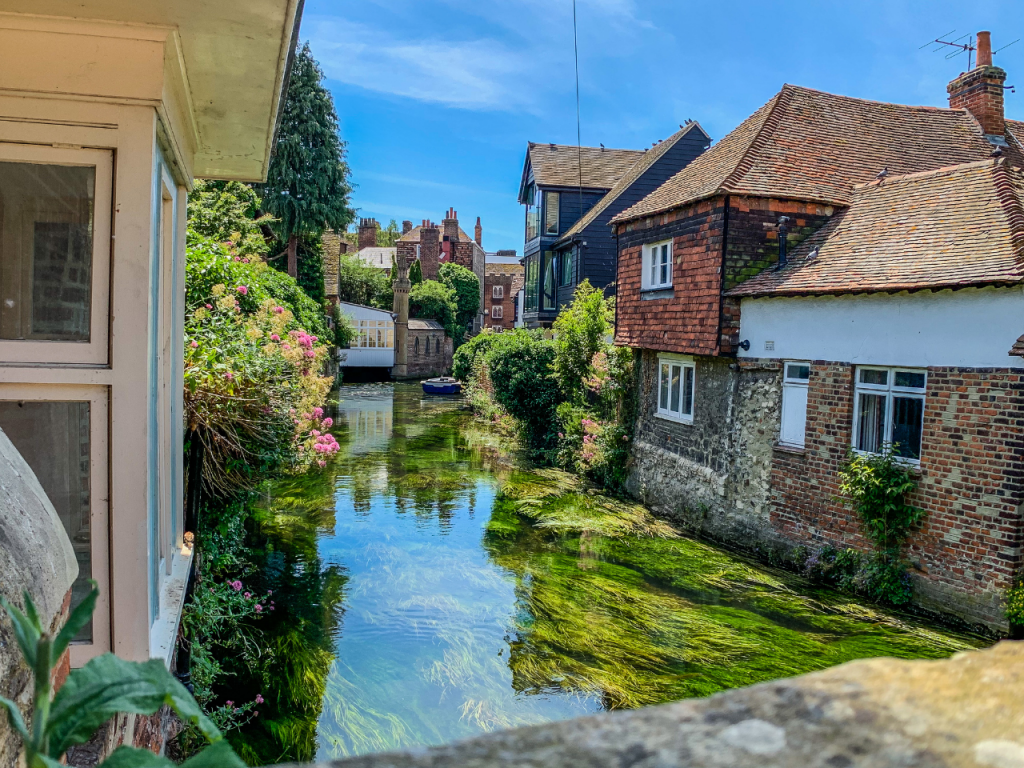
(442, 385)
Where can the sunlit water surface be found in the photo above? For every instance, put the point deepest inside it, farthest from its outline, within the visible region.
(447, 615)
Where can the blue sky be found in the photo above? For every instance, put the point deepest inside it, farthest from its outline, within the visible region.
(437, 98)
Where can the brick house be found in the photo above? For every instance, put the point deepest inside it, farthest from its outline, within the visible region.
(501, 284)
(335, 245)
(570, 194)
(433, 246)
(884, 317)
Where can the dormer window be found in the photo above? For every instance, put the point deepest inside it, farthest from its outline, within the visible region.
(657, 268)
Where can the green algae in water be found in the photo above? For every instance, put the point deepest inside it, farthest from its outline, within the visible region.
(464, 592)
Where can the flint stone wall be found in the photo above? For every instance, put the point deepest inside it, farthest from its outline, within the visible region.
(965, 711)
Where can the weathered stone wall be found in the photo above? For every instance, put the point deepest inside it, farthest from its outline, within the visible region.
(712, 476)
(429, 352)
(35, 556)
(965, 711)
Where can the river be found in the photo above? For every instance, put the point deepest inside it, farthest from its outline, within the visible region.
(419, 605)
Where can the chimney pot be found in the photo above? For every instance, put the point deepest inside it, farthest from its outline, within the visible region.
(984, 49)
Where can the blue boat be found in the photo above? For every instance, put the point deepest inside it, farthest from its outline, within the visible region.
(442, 385)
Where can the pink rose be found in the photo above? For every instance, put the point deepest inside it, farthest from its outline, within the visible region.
(242, 290)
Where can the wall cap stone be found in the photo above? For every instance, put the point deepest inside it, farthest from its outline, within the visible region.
(963, 711)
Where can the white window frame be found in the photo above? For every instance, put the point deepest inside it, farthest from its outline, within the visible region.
(497, 312)
(96, 350)
(657, 265)
(99, 495)
(497, 292)
(891, 391)
(794, 399)
(684, 412)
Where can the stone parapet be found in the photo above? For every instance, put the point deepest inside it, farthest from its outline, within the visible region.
(964, 711)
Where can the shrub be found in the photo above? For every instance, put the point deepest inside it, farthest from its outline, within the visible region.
(359, 283)
(1015, 605)
(520, 364)
(93, 694)
(434, 300)
(466, 356)
(228, 211)
(580, 331)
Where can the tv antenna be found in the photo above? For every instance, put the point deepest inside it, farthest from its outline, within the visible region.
(961, 47)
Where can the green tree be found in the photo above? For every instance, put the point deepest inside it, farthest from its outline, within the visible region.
(467, 293)
(228, 211)
(386, 238)
(359, 283)
(579, 335)
(434, 301)
(416, 273)
(307, 188)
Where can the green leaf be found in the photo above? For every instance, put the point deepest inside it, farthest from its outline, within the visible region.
(131, 757)
(108, 685)
(217, 755)
(14, 717)
(26, 632)
(78, 619)
(42, 761)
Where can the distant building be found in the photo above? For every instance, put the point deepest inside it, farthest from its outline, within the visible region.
(428, 349)
(502, 282)
(336, 245)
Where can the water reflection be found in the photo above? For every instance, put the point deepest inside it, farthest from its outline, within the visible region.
(465, 612)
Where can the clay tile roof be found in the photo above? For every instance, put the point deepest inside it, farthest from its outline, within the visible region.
(503, 269)
(558, 165)
(810, 145)
(948, 228)
(413, 235)
(648, 159)
(1017, 350)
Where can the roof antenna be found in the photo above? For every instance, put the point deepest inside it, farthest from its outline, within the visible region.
(956, 43)
(579, 144)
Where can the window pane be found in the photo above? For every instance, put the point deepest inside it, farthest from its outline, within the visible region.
(674, 407)
(654, 266)
(871, 423)
(46, 229)
(551, 213)
(794, 414)
(688, 391)
(548, 289)
(908, 379)
(868, 376)
(664, 265)
(61, 463)
(798, 371)
(664, 387)
(907, 422)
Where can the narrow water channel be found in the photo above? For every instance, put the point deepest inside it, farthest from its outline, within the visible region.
(420, 605)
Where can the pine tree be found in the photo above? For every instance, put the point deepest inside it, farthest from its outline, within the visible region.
(307, 187)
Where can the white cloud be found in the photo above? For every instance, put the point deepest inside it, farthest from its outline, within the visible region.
(481, 74)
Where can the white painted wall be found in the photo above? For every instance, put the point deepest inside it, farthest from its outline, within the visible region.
(971, 327)
(366, 357)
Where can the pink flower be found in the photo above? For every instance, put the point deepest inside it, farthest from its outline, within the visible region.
(322, 463)
(274, 337)
(259, 699)
(271, 607)
(194, 344)
(327, 422)
(236, 585)
(259, 608)
(270, 592)
(318, 413)
(242, 290)
(230, 703)
(315, 433)
(286, 346)
(238, 258)
(209, 306)
(229, 376)
(279, 310)
(247, 595)
(310, 353)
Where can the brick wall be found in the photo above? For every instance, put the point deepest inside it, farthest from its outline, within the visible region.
(506, 302)
(717, 244)
(969, 547)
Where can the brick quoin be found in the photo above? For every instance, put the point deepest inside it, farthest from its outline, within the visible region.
(969, 482)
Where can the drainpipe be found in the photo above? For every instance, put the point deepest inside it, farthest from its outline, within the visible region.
(782, 240)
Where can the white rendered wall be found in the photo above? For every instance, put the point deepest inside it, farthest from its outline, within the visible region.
(971, 328)
(366, 357)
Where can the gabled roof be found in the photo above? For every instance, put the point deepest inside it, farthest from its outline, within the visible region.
(558, 165)
(649, 158)
(949, 228)
(413, 235)
(810, 145)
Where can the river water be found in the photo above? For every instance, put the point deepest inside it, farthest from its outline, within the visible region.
(418, 604)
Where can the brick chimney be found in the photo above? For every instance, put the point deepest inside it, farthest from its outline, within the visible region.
(451, 226)
(478, 233)
(980, 91)
(406, 227)
(430, 247)
(367, 233)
